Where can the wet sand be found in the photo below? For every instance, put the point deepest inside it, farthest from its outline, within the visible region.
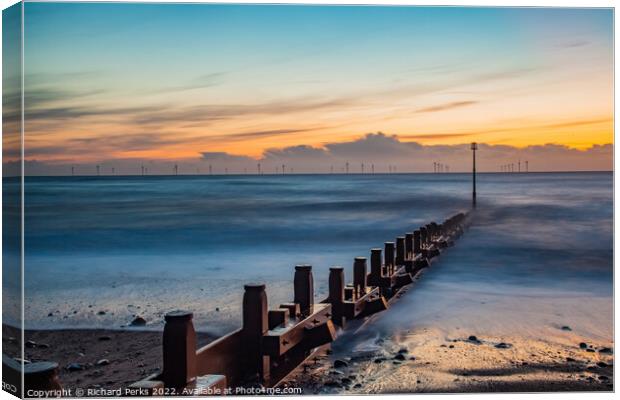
(429, 361)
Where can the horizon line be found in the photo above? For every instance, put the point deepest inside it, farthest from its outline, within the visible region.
(313, 173)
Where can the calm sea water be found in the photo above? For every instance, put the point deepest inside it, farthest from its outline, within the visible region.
(100, 250)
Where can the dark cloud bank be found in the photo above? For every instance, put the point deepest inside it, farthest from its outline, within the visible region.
(374, 149)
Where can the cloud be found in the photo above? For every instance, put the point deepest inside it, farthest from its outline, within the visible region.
(73, 112)
(372, 145)
(126, 142)
(504, 74)
(215, 112)
(447, 106)
(223, 156)
(36, 97)
(297, 153)
(574, 43)
(510, 128)
(436, 136)
(55, 105)
(56, 109)
(570, 124)
(200, 82)
(260, 134)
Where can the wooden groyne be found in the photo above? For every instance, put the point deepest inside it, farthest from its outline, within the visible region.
(272, 343)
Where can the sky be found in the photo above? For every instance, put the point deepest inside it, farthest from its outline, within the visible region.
(314, 87)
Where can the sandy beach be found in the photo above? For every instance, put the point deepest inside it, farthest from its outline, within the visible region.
(95, 358)
(364, 360)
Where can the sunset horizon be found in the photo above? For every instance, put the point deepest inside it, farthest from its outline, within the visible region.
(237, 84)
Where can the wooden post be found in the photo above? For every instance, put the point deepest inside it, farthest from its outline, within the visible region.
(359, 276)
(416, 242)
(336, 294)
(293, 309)
(400, 250)
(304, 289)
(423, 236)
(389, 257)
(375, 267)
(278, 317)
(179, 349)
(429, 233)
(255, 325)
(41, 376)
(408, 246)
(349, 293)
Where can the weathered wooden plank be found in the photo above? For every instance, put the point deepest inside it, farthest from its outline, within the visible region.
(353, 309)
(281, 339)
(225, 356)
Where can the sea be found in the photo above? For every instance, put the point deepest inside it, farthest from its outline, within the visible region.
(100, 251)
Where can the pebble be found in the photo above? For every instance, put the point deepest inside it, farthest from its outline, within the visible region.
(583, 345)
(138, 321)
(399, 356)
(601, 364)
(74, 367)
(566, 328)
(378, 360)
(603, 378)
(570, 359)
(30, 344)
(605, 350)
(102, 362)
(340, 364)
(472, 338)
(43, 346)
(502, 345)
(403, 351)
(104, 338)
(101, 312)
(346, 381)
(50, 314)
